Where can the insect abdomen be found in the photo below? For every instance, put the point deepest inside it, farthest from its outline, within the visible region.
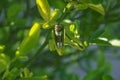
(58, 35)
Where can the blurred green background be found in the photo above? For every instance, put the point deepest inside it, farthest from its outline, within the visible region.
(96, 62)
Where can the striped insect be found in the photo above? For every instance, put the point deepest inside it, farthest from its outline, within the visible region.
(59, 35)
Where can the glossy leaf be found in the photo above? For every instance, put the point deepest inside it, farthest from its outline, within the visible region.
(115, 42)
(46, 25)
(100, 42)
(30, 41)
(55, 15)
(44, 9)
(99, 8)
(72, 28)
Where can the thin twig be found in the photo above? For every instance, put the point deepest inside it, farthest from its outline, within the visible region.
(36, 55)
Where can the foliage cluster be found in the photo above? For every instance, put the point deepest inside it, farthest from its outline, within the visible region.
(89, 28)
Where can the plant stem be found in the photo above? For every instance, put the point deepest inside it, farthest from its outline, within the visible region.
(27, 64)
(65, 13)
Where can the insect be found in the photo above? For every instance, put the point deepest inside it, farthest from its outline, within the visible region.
(59, 35)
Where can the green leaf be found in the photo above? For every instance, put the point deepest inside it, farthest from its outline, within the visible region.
(98, 73)
(59, 4)
(27, 73)
(107, 77)
(74, 42)
(72, 36)
(2, 47)
(100, 42)
(35, 78)
(30, 41)
(72, 28)
(96, 34)
(51, 45)
(55, 15)
(4, 62)
(81, 6)
(115, 42)
(44, 9)
(23, 58)
(14, 10)
(46, 25)
(72, 76)
(85, 1)
(101, 59)
(13, 74)
(20, 22)
(108, 5)
(97, 1)
(94, 75)
(99, 8)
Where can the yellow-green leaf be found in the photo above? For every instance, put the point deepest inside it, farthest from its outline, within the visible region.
(81, 6)
(51, 45)
(44, 9)
(27, 73)
(30, 41)
(46, 25)
(2, 48)
(55, 15)
(74, 42)
(72, 28)
(35, 78)
(99, 8)
(4, 62)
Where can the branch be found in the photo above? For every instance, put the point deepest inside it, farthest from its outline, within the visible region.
(113, 20)
(27, 64)
(66, 12)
